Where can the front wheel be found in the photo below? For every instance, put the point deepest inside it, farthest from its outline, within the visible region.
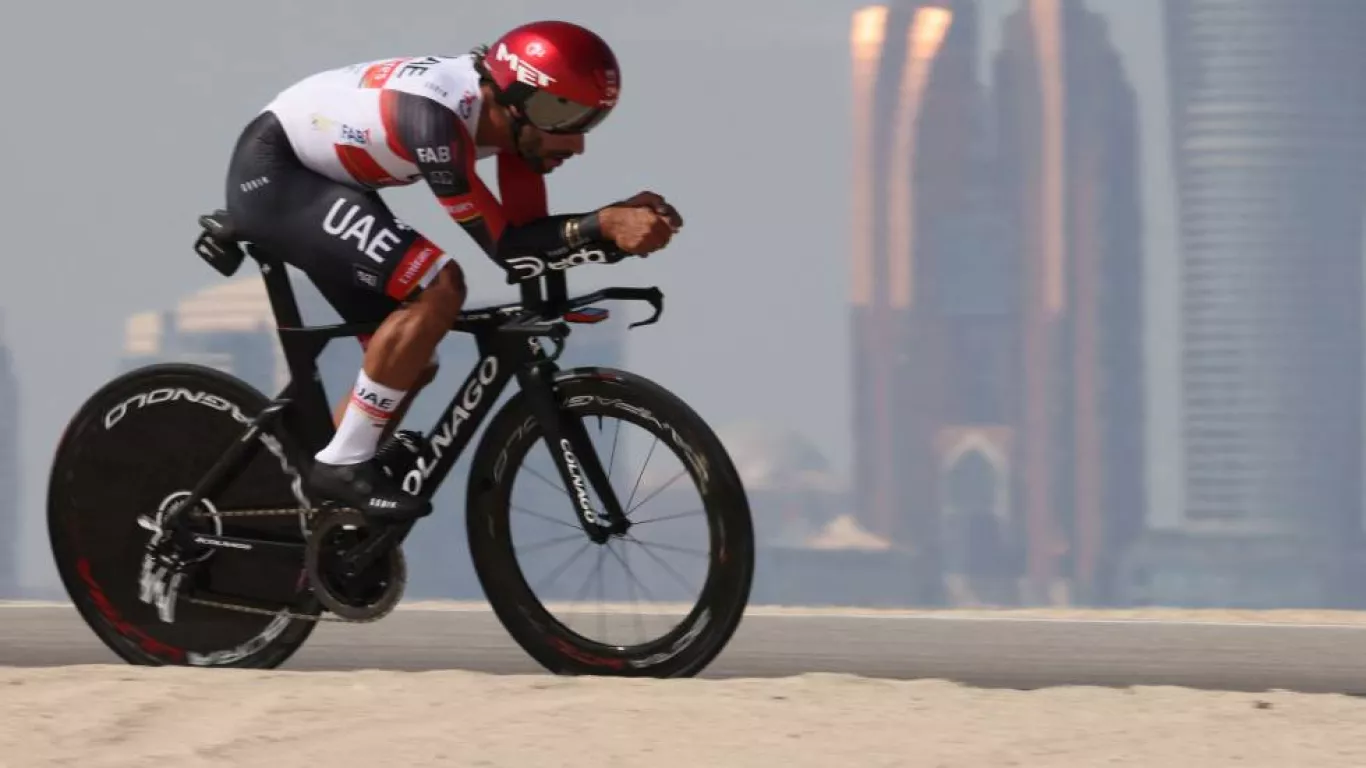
(511, 502)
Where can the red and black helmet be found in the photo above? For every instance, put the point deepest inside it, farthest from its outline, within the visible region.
(561, 77)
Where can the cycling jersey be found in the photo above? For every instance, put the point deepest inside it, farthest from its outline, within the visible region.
(357, 129)
(344, 123)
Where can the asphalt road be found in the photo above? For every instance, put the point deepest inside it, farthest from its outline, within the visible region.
(989, 652)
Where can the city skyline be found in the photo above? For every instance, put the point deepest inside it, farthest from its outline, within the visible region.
(717, 272)
(997, 293)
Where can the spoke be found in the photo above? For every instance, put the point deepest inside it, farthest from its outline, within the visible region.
(669, 547)
(612, 459)
(543, 517)
(642, 472)
(587, 582)
(668, 517)
(631, 589)
(681, 472)
(602, 595)
(667, 567)
(562, 567)
(542, 478)
(549, 542)
(627, 566)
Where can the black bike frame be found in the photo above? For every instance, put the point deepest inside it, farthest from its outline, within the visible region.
(506, 338)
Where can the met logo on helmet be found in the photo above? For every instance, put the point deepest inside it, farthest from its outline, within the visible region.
(525, 72)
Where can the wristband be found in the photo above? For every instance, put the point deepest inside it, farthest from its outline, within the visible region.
(583, 230)
(589, 227)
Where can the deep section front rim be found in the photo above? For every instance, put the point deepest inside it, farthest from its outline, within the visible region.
(709, 622)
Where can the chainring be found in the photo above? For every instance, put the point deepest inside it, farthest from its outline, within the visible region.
(366, 596)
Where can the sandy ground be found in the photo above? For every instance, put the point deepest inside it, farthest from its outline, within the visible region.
(119, 715)
(1214, 615)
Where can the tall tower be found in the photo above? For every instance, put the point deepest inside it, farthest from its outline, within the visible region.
(11, 523)
(1067, 122)
(1268, 135)
(1268, 126)
(914, 92)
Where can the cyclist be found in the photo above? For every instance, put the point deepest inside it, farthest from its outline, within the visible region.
(304, 177)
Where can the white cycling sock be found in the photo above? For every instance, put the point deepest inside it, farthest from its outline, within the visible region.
(366, 415)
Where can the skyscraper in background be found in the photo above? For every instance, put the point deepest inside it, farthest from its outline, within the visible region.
(997, 298)
(913, 75)
(1070, 180)
(1269, 145)
(1268, 125)
(10, 514)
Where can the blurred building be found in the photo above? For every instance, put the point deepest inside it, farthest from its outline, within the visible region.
(918, 234)
(1070, 178)
(997, 299)
(230, 326)
(1268, 122)
(11, 516)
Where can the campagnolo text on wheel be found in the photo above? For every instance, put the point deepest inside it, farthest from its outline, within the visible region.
(196, 521)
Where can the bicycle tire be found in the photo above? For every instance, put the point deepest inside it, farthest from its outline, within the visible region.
(713, 619)
(138, 440)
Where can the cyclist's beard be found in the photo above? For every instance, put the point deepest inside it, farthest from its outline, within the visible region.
(531, 147)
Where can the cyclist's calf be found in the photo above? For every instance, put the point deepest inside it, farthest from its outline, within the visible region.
(403, 346)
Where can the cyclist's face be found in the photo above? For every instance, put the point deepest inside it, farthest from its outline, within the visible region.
(551, 149)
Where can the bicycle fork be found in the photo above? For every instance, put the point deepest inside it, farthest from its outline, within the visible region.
(575, 459)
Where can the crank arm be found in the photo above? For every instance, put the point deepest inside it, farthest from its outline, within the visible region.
(363, 556)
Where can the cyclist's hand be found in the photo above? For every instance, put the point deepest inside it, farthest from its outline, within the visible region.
(658, 204)
(635, 229)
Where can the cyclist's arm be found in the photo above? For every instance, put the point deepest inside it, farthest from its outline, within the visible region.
(434, 138)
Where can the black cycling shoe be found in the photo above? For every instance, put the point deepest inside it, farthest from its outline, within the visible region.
(399, 453)
(366, 488)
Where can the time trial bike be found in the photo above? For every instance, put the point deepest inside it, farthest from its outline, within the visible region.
(184, 533)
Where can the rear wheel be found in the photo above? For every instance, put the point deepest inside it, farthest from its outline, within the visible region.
(137, 447)
(687, 560)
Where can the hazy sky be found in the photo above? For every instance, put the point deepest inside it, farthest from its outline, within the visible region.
(122, 116)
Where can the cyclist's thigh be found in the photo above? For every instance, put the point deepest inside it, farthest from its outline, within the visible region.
(362, 258)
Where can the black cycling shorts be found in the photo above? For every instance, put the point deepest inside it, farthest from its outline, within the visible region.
(363, 260)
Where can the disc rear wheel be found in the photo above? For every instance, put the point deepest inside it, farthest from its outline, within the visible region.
(136, 449)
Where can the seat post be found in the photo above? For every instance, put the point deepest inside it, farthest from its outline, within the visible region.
(309, 417)
(280, 292)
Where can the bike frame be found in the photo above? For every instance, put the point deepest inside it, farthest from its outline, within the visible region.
(507, 340)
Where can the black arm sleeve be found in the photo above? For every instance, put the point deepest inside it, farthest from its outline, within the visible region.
(428, 134)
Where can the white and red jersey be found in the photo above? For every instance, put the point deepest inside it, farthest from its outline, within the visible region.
(342, 126)
(398, 121)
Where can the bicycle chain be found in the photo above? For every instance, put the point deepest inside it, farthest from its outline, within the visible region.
(309, 511)
(277, 512)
